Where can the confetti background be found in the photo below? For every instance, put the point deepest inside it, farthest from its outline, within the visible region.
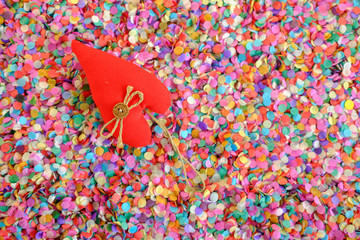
(265, 95)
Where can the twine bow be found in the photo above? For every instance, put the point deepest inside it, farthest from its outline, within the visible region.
(120, 111)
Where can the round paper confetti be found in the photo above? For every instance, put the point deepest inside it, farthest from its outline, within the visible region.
(265, 103)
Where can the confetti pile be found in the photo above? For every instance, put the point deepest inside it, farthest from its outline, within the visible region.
(265, 96)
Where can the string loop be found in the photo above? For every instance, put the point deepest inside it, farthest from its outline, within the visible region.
(176, 149)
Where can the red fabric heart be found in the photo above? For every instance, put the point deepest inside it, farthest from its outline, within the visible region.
(108, 77)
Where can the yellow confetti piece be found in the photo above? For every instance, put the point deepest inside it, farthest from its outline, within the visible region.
(48, 217)
(74, 20)
(210, 172)
(195, 133)
(148, 156)
(41, 146)
(243, 160)
(250, 109)
(82, 137)
(99, 151)
(231, 105)
(332, 121)
(178, 164)
(356, 222)
(101, 180)
(176, 141)
(207, 17)
(341, 218)
(42, 72)
(159, 189)
(262, 158)
(194, 35)
(332, 95)
(314, 109)
(142, 202)
(84, 106)
(178, 50)
(137, 152)
(83, 201)
(213, 158)
(53, 112)
(173, 197)
(301, 126)
(264, 69)
(51, 82)
(42, 220)
(349, 105)
(17, 135)
(224, 143)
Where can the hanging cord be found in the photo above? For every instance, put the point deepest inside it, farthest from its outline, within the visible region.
(120, 111)
(252, 5)
(176, 149)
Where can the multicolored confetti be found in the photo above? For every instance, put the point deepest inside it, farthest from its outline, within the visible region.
(265, 96)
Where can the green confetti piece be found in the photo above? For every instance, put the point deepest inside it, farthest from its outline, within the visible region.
(4, 208)
(286, 131)
(282, 108)
(13, 178)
